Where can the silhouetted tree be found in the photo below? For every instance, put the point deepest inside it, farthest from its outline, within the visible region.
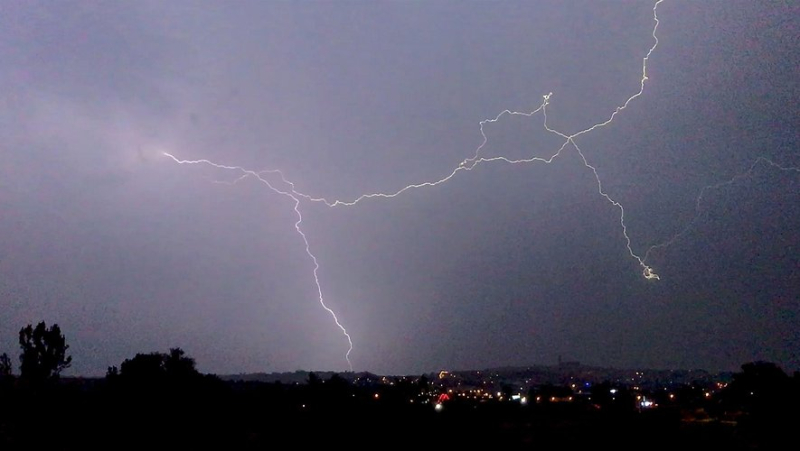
(157, 376)
(178, 365)
(337, 388)
(5, 365)
(337, 381)
(156, 366)
(767, 397)
(43, 352)
(143, 367)
(761, 386)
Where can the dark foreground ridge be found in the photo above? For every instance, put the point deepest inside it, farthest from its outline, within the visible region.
(160, 399)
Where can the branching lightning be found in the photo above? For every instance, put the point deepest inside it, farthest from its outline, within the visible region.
(477, 159)
(290, 194)
(699, 200)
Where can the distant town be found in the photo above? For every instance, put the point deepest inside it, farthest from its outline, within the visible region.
(566, 382)
(160, 398)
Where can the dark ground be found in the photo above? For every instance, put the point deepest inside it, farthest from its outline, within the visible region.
(207, 412)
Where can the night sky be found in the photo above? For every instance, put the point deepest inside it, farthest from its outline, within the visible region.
(504, 264)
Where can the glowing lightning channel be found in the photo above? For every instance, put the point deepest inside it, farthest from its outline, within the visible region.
(476, 159)
(290, 194)
(698, 202)
(466, 165)
(472, 162)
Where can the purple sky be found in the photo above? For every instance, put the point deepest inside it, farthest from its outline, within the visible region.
(501, 265)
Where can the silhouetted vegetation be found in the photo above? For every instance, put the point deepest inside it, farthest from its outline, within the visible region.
(43, 352)
(160, 399)
(764, 401)
(5, 365)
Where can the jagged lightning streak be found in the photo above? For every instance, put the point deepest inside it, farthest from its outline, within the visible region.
(466, 165)
(470, 163)
(290, 194)
(474, 161)
(699, 200)
(477, 159)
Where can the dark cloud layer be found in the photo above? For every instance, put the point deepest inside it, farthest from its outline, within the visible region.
(503, 265)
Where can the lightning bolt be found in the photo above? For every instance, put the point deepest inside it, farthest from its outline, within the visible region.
(476, 160)
(290, 194)
(699, 200)
(465, 166)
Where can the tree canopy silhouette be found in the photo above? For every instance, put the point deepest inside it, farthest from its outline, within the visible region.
(44, 352)
(156, 367)
(5, 365)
